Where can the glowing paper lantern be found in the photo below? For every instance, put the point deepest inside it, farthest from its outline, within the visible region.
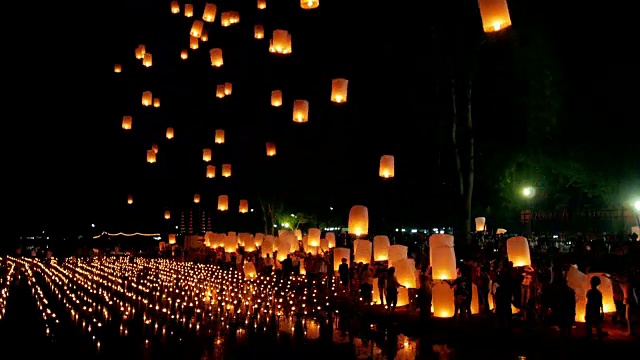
(219, 138)
(147, 60)
(362, 251)
(280, 42)
(196, 198)
(300, 111)
(381, 246)
(249, 270)
(156, 102)
(339, 90)
(358, 220)
(204, 36)
(244, 207)
(230, 242)
(606, 288)
(475, 302)
(443, 300)
(206, 155)
(258, 32)
(140, 51)
(262, 4)
(194, 44)
(117, 68)
(495, 15)
(129, 199)
(397, 253)
(518, 251)
(268, 244)
(314, 237)
(188, 10)
(209, 14)
(147, 98)
(184, 54)
(579, 282)
(175, 7)
(331, 240)
(223, 202)
(196, 28)
(167, 214)
(216, 57)
(309, 4)
(228, 88)
(151, 156)
(211, 171)
(155, 148)
(226, 170)
(443, 263)
(387, 167)
(403, 297)
(228, 18)
(220, 91)
(501, 231)
(406, 273)
(271, 148)
(172, 239)
(127, 122)
(338, 255)
(481, 224)
(283, 245)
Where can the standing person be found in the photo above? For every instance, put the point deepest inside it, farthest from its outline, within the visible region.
(343, 272)
(366, 287)
(382, 284)
(425, 298)
(392, 289)
(594, 313)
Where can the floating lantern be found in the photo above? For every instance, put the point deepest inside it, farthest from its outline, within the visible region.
(387, 167)
(175, 7)
(196, 28)
(481, 224)
(518, 251)
(196, 198)
(338, 255)
(226, 170)
(397, 253)
(117, 68)
(193, 43)
(280, 42)
(339, 90)
(129, 199)
(219, 138)
(216, 57)
(147, 60)
(156, 102)
(155, 148)
(358, 220)
(170, 133)
(443, 300)
(406, 273)
(300, 111)
(276, 99)
(475, 302)
(204, 36)
(184, 54)
(249, 270)
(579, 282)
(228, 87)
(298, 234)
(140, 51)
(167, 214)
(206, 155)
(271, 149)
(127, 122)
(495, 15)
(147, 98)
(314, 237)
(443, 265)
(209, 14)
(501, 231)
(188, 10)
(258, 31)
(211, 171)
(262, 4)
(172, 239)
(309, 4)
(331, 240)
(151, 156)
(381, 246)
(228, 18)
(244, 207)
(220, 91)
(362, 250)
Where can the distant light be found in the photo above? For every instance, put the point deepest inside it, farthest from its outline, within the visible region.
(251, 210)
(397, 229)
(528, 191)
(403, 230)
(93, 225)
(637, 205)
(413, 231)
(330, 207)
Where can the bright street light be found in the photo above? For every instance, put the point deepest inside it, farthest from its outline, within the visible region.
(528, 191)
(637, 205)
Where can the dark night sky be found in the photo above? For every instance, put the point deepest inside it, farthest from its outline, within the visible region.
(71, 164)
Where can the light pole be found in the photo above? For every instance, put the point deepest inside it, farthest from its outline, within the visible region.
(529, 193)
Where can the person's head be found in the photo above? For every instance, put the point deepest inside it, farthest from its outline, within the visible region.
(595, 282)
(391, 271)
(344, 260)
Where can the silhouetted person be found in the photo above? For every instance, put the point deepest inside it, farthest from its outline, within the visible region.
(594, 313)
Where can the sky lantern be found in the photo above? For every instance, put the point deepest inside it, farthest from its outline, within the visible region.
(223, 202)
(172, 239)
(228, 88)
(258, 31)
(396, 253)
(313, 238)
(271, 148)
(196, 28)
(140, 51)
(262, 4)
(443, 300)
(244, 207)
(300, 111)
(155, 148)
(220, 91)
(358, 220)
(211, 171)
(280, 42)
(276, 98)
(170, 133)
(216, 57)
(338, 255)
(219, 138)
(156, 102)
(406, 273)
(117, 68)
(209, 14)
(167, 214)
(151, 156)
(309, 4)
(127, 122)
(193, 43)
(188, 10)
(362, 251)
(339, 90)
(184, 54)
(129, 199)
(442, 257)
(206, 154)
(495, 15)
(196, 198)
(226, 170)
(175, 7)
(501, 231)
(147, 61)
(228, 18)
(381, 246)
(518, 251)
(204, 36)
(147, 98)
(481, 224)
(387, 167)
